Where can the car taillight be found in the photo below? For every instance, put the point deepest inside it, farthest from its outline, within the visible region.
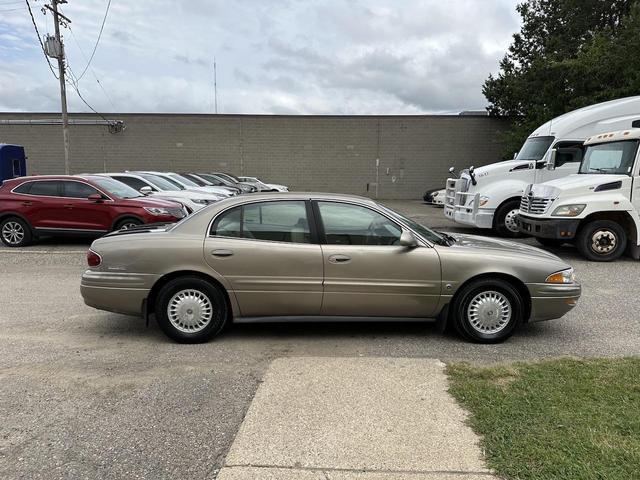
(93, 259)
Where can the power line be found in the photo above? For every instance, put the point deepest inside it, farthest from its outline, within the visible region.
(74, 84)
(97, 41)
(35, 26)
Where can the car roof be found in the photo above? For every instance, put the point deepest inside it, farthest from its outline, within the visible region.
(252, 197)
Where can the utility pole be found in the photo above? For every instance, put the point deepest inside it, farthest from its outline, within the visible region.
(55, 49)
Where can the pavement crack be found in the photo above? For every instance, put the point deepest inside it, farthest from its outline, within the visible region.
(325, 470)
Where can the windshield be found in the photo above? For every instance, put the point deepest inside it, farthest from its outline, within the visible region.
(431, 235)
(173, 182)
(534, 148)
(185, 181)
(159, 182)
(230, 178)
(115, 188)
(613, 157)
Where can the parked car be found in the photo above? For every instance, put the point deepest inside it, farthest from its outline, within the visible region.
(264, 186)
(187, 184)
(236, 180)
(435, 197)
(291, 256)
(158, 187)
(203, 181)
(31, 207)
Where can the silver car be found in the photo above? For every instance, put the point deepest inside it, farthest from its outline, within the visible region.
(295, 256)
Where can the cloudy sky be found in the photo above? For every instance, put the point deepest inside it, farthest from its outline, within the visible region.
(273, 56)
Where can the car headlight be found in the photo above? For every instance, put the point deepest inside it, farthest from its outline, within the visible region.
(157, 211)
(203, 201)
(569, 210)
(564, 276)
(484, 200)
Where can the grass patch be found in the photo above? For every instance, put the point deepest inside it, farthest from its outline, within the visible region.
(558, 419)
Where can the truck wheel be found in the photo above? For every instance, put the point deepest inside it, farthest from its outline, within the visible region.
(602, 241)
(487, 311)
(504, 221)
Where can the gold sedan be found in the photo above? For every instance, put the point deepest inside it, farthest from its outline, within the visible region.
(293, 256)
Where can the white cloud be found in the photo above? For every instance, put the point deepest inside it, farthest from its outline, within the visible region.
(332, 56)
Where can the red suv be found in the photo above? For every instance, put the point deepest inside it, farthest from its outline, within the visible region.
(87, 205)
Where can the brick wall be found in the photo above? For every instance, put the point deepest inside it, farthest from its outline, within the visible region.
(312, 153)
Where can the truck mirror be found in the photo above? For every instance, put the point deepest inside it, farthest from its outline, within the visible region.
(452, 169)
(515, 154)
(551, 162)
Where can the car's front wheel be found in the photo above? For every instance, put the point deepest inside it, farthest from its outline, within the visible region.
(505, 222)
(191, 310)
(602, 241)
(15, 232)
(487, 311)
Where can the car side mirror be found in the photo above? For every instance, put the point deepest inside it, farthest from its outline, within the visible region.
(95, 197)
(146, 190)
(408, 240)
(551, 162)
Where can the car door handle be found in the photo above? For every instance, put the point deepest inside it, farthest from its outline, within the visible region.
(26, 204)
(339, 258)
(68, 205)
(221, 253)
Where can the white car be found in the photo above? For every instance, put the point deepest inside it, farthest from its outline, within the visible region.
(185, 183)
(265, 186)
(156, 186)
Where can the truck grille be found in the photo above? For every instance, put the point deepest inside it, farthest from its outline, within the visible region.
(535, 205)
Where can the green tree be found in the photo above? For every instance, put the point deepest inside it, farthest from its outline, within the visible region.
(568, 54)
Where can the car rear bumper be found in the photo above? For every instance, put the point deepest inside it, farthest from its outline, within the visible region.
(550, 301)
(116, 292)
(558, 228)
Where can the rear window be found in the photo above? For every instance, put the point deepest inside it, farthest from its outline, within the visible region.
(24, 188)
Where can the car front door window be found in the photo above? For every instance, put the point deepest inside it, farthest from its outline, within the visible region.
(346, 224)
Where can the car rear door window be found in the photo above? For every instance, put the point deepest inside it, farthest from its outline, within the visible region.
(279, 221)
(78, 190)
(46, 188)
(346, 224)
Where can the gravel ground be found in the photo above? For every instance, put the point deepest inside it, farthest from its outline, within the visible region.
(90, 394)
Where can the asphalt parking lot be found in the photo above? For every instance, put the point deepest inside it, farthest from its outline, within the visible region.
(90, 394)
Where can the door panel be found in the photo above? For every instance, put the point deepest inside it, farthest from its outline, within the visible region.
(269, 278)
(380, 281)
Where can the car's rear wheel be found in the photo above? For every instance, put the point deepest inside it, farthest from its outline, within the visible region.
(15, 232)
(602, 241)
(191, 310)
(505, 220)
(487, 311)
(128, 223)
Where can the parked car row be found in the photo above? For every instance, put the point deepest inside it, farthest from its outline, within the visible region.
(95, 204)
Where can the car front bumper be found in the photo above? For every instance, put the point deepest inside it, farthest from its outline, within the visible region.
(558, 228)
(123, 293)
(550, 301)
(480, 218)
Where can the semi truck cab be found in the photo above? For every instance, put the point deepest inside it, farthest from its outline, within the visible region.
(489, 196)
(596, 208)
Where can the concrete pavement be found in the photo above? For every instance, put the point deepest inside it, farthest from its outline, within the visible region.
(347, 418)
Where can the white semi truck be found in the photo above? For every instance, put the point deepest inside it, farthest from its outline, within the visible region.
(489, 196)
(597, 208)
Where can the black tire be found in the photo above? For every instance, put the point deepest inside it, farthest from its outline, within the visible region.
(203, 289)
(550, 242)
(503, 221)
(498, 290)
(15, 232)
(602, 241)
(128, 223)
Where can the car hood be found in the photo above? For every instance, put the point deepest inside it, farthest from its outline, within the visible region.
(576, 183)
(496, 245)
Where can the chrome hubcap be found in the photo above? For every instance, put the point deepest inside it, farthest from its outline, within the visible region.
(12, 233)
(510, 221)
(190, 311)
(489, 312)
(604, 241)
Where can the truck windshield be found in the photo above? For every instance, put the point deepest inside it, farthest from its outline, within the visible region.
(612, 157)
(534, 148)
